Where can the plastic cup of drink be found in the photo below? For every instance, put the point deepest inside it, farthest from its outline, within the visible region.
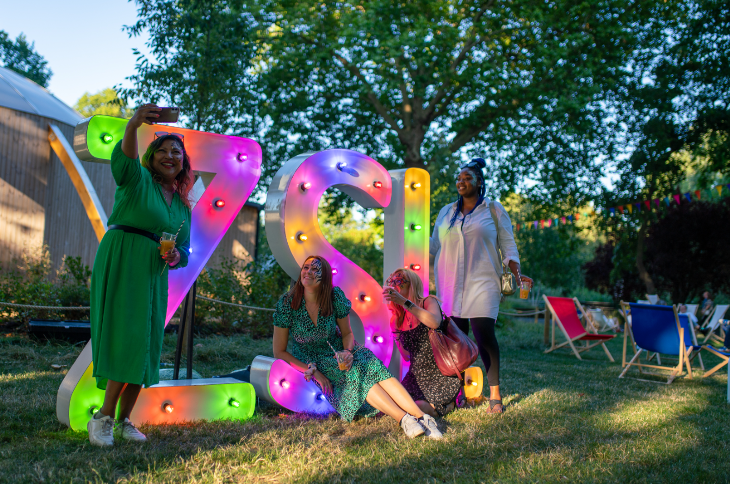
(342, 360)
(167, 242)
(525, 290)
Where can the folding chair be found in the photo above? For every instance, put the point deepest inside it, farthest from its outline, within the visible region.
(692, 308)
(565, 315)
(600, 322)
(657, 329)
(724, 356)
(653, 298)
(713, 324)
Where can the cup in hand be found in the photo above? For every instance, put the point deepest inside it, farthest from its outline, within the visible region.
(167, 242)
(525, 289)
(342, 357)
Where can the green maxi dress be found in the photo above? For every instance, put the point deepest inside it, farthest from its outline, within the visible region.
(309, 345)
(128, 294)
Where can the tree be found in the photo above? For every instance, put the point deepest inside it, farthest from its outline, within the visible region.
(675, 109)
(104, 102)
(21, 57)
(424, 84)
(201, 61)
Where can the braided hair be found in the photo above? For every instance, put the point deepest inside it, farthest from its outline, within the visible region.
(475, 168)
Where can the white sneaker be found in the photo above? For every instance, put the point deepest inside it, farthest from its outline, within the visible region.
(432, 430)
(410, 426)
(101, 431)
(128, 431)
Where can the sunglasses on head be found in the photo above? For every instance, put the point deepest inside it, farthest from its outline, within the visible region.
(160, 134)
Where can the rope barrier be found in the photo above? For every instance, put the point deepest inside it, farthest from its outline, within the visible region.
(30, 306)
(198, 296)
(534, 313)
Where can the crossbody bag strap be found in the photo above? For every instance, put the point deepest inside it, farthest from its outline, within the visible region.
(496, 224)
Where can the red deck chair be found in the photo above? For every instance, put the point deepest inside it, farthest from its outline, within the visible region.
(564, 313)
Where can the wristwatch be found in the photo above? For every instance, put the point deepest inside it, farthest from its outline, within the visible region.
(409, 304)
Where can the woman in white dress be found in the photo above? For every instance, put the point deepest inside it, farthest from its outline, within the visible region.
(468, 267)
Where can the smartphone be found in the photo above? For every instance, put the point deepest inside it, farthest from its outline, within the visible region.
(167, 115)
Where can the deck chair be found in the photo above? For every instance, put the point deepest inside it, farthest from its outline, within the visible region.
(724, 356)
(653, 298)
(600, 322)
(692, 308)
(658, 329)
(715, 334)
(565, 316)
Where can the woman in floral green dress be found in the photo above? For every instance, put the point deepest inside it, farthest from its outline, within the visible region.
(316, 316)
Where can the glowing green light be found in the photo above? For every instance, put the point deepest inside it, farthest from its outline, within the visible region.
(416, 227)
(107, 138)
(234, 403)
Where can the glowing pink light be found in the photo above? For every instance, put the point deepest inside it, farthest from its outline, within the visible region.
(379, 339)
(334, 271)
(242, 157)
(378, 184)
(416, 267)
(220, 203)
(284, 383)
(305, 186)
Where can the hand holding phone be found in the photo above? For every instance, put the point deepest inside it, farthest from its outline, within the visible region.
(167, 115)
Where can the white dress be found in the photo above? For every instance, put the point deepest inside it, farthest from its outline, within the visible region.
(467, 263)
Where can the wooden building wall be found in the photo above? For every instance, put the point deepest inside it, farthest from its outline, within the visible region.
(38, 202)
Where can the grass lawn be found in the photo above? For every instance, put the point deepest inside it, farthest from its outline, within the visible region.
(566, 421)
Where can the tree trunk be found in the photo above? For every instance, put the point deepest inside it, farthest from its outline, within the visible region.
(643, 273)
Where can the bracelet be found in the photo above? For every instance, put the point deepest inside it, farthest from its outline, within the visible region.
(408, 304)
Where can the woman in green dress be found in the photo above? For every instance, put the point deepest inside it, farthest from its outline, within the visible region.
(316, 316)
(129, 280)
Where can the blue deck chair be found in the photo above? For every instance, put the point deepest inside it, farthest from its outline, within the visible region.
(657, 329)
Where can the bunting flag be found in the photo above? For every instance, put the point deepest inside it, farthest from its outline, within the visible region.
(625, 209)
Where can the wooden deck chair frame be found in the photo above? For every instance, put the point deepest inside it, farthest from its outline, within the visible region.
(695, 354)
(569, 342)
(713, 337)
(720, 365)
(675, 370)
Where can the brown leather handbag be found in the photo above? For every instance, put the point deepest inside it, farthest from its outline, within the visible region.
(453, 351)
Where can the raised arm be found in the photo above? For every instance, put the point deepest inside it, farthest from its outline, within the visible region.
(141, 116)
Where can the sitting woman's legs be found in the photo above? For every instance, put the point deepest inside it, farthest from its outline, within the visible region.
(392, 399)
(426, 408)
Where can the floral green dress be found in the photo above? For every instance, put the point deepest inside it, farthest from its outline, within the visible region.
(309, 345)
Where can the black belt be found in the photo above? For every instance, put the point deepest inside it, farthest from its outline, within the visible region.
(134, 230)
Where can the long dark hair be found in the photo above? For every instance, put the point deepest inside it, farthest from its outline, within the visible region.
(184, 180)
(475, 168)
(324, 297)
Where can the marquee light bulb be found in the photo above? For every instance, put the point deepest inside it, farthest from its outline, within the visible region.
(284, 383)
(320, 397)
(416, 267)
(378, 184)
(364, 298)
(379, 339)
(93, 409)
(341, 165)
(107, 138)
(220, 203)
(334, 271)
(473, 383)
(234, 403)
(242, 157)
(301, 237)
(305, 186)
(168, 407)
(416, 227)
(415, 185)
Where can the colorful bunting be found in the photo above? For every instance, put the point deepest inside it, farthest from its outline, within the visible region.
(621, 209)
(698, 194)
(613, 211)
(648, 204)
(677, 198)
(719, 189)
(631, 209)
(656, 202)
(688, 197)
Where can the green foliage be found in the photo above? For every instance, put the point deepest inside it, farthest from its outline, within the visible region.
(426, 83)
(21, 57)
(30, 283)
(201, 60)
(104, 102)
(360, 241)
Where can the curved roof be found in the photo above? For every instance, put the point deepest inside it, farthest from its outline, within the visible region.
(22, 94)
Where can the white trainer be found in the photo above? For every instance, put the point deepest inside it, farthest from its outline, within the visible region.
(101, 431)
(410, 426)
(432, 429)
(128, 431)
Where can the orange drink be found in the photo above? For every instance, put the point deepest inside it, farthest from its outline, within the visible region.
(167, 243)
(525, 290)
